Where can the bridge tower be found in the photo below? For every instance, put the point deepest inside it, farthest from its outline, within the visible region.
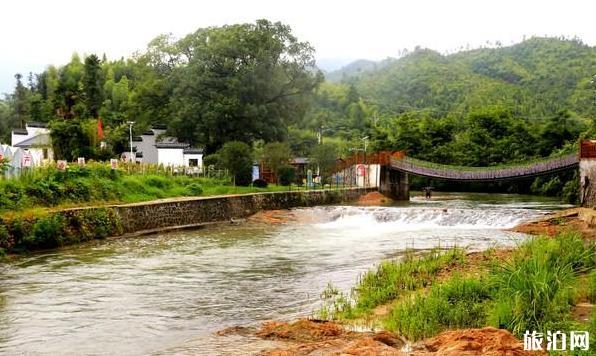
(587, 173)
(394, 184)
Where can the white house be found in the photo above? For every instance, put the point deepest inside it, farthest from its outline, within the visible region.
(153, 147)
(179, 155)
(34, 141)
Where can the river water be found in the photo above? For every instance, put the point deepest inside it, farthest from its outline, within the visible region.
(169, 293)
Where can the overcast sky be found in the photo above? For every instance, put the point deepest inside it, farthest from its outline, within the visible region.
(38, 33)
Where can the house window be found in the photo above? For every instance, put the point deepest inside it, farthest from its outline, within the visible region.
(193, 162)
(45, 153)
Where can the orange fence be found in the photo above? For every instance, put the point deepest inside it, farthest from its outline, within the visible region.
(382, 158)
(587, 149)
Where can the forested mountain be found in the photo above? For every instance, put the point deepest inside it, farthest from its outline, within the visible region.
(356, 68)
(535, 78)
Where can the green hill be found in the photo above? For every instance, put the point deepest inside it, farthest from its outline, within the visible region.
(535, 78)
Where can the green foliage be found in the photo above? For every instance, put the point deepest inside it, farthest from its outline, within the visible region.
(457, 303)
(260, 183)
(393, 278)
(324, 156)
(277, 155)
(212, 160)
(534, 290)
(194, 189)
(237, 158)
(46, 233)
(535, 78)
(93, 85)
(286, 174)
(69, 140)
(592, 287)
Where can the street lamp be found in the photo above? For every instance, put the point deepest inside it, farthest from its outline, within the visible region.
(130, 123)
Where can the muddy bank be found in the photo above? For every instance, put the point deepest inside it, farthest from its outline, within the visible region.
(315, 337)
(578, 219)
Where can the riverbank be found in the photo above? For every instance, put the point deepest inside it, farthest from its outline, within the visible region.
(50, 229)
(448, 303)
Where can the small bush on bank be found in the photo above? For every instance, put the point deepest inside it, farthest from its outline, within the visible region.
(286, 175)
(194, 189)
(46, 233)
(50, 230)
(259, 183)
(457, 303)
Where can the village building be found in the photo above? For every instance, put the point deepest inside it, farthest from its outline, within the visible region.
(31, 146)
(154, 148)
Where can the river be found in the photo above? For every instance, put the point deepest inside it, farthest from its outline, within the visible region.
(168, 293)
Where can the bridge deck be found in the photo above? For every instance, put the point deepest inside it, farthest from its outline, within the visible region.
(427, 169)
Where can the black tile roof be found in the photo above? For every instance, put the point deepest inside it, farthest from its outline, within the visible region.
(42, 125)
(19, 131)
(171, 145)
(189, 151)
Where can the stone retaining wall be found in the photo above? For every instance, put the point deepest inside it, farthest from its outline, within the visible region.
(192, 211)
(51, 229)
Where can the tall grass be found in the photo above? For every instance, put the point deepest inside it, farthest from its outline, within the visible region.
(535, 289)
(459, 302)
(388, 281)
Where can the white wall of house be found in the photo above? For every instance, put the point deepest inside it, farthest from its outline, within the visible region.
(17, 138)
(170, 156)
(194, 156)
(39, 156)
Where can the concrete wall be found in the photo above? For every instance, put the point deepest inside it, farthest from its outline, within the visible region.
(587, 176)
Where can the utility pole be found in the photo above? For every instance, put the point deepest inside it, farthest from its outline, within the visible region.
(130, 123)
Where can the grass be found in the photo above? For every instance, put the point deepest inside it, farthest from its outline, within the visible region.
(535, 289)
(457, 303)
(387, 282)
(98, 185)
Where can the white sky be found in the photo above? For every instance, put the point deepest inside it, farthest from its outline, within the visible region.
(38, 33)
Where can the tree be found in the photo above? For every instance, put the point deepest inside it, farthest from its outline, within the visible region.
(93, 85)
(324, 156)
(237, 158)
(69, 140)
(237, 83)
(276, 155)
(21, 104)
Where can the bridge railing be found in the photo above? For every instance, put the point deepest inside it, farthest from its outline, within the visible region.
(430, 169)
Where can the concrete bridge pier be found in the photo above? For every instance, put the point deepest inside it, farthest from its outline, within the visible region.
(587, 173)
(394, 184)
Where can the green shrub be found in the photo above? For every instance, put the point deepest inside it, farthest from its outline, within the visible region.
(457, 303)
(259, 183)
(194, 189)
(158, 182)
(46, 233)
(6, 241)
(286, 175)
